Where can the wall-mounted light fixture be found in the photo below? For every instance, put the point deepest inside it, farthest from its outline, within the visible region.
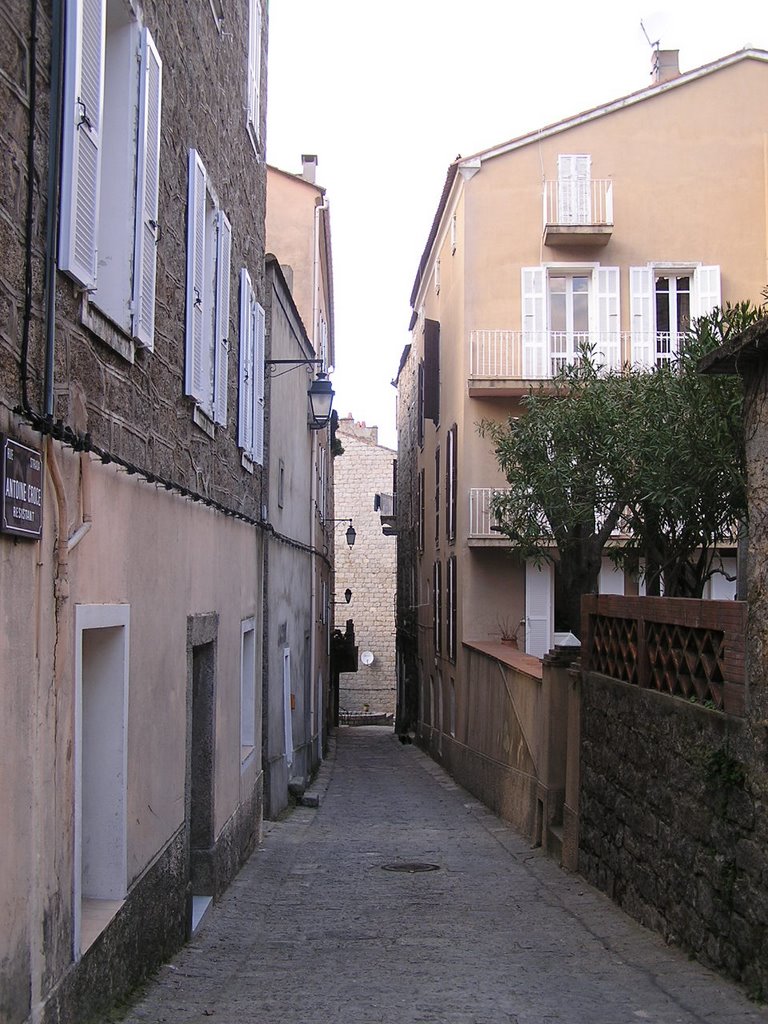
(347, 597)
(320, 393)
(351, 532)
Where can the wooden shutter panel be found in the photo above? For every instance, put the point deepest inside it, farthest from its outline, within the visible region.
(258, 376)
(432, 371)
(642, 315)
(574, 172)
(246, 374)
(221, 339)
(197, 381)
(254, 67)
(608, 348)
(539, 599)
(81, 139)
(534, 323)
(147, 192)
(707, 289)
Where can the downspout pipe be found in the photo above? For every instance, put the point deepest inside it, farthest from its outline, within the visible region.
(51, 216)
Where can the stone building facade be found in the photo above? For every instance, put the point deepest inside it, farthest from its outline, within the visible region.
(131, 598)
(368, 569)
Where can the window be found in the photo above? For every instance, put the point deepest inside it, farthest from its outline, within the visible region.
(437, 605)
(420, 405)
(565, 308)
(437, 497)
(247, 688)
(664, 301)
(251, 412)
(450, 484)
(421, 510)
(209, 248)
(254, 73)
(574, 172)
(111, 135)
(451, 608)
(432, 371)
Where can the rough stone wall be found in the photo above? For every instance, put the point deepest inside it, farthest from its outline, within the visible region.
(673, 823)
(367, 569)
(407, 546)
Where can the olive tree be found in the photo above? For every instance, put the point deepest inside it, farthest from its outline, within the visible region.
(656, 453)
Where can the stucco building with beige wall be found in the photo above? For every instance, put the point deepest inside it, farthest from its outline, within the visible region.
(131, 596)
(613, 227)
(363, 478)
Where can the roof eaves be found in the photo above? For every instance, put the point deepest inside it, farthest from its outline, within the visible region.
(618, 104)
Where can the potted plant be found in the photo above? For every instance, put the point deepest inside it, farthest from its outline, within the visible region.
(507, 631)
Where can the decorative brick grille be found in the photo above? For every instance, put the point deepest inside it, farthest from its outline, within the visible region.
(687, 648)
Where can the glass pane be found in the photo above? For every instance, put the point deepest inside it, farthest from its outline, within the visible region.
(557, 312)
(662, 304)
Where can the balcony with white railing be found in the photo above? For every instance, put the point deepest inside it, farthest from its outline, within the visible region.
(481, 520)
(483, 528)
(506, 361)
(578, 212)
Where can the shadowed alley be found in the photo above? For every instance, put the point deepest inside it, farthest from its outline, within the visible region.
(314, 928)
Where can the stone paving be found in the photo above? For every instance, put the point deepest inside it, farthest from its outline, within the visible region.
(313, 929)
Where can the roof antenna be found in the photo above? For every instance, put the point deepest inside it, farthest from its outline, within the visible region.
(653, 46)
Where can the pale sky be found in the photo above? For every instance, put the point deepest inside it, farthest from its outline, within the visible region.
(387, 94)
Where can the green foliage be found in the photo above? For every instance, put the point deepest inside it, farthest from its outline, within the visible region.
(657, 452)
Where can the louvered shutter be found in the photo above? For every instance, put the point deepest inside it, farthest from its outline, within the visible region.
(539, 600)
(707, 281)
(641, 312)
(81, 139)
(221, 339)
(246, 391)
(258, 375)
(197, 371)
(147, 192)
(254, 67)
(574, 173)
(611, 580)
(608, 338)
(432, 371)
(534, 323)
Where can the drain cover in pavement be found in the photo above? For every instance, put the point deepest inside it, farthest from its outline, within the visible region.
(410, 867)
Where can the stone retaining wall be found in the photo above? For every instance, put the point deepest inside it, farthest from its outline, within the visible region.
(673, 822)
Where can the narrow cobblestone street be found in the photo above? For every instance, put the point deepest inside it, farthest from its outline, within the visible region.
(314, 930)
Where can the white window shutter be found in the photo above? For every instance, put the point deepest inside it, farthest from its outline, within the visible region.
(539, 606)
(574, 174)
(254, 67)
(707, 280)
(641, 311)
(197, 382)
(534, 323)
(221, 340)
(246, 393)
(611, 579)
(258, 396)
(147, 192)
(608, 347)
(81, 139)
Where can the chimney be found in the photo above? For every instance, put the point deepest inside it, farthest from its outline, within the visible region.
(308, 167)
(664, 66)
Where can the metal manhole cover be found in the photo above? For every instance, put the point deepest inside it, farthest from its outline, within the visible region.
(410, 867)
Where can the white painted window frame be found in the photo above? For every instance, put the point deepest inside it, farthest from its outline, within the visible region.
(130, 305)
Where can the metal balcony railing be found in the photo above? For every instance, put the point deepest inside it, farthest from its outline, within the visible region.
(481, 519)
(539, 355)
(578, 203)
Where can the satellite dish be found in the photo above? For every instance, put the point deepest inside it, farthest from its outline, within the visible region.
(367, 657)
